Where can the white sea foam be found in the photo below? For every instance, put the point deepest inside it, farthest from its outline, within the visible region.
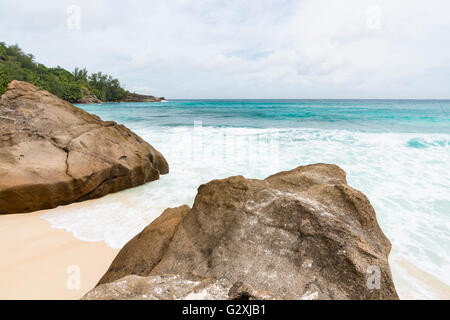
(406, 176)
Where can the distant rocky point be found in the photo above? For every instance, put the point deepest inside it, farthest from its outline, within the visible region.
(301, 234)
(129, 97)
(53, 153)
(134, 97)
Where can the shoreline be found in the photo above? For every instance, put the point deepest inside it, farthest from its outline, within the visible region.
(410, 280)
(42, 262)
(39, 260)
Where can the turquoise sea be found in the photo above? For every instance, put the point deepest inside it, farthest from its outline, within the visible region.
(395, 151)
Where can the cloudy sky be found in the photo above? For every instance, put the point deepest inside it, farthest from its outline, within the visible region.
(244, 49)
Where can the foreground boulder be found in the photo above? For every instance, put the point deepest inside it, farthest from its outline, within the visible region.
(53, 153)
(301, 234)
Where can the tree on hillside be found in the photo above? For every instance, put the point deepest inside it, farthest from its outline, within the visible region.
(70, 86)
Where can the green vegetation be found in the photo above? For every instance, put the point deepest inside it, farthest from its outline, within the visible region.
(70, 86)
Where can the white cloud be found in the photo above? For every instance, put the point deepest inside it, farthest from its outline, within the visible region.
(246, 49)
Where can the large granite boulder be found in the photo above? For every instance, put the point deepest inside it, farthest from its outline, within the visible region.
(300, 234)
(53, 153)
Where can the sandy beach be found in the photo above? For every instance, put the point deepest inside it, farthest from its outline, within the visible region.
(41, 262)
(412, 283)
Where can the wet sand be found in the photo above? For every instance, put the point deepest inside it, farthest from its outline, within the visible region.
(40, 262)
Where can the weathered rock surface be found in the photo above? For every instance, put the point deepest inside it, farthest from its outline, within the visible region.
(142, 253)
(300, 234)
(174, 287)
(160, 287)
(53, 153)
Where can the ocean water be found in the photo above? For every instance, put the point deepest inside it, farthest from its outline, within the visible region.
(396, 152)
